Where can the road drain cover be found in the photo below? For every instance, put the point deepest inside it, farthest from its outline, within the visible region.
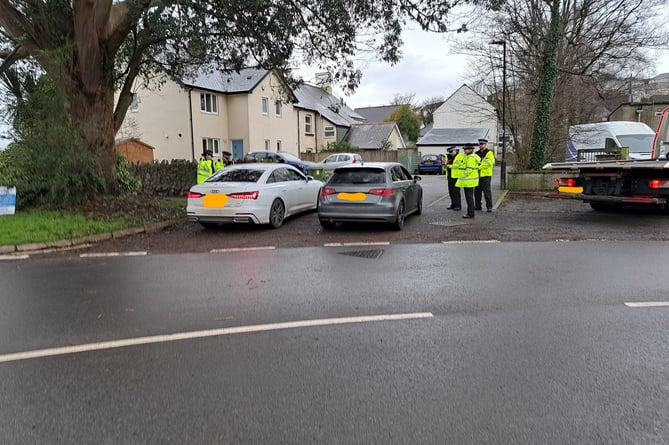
(375, 253)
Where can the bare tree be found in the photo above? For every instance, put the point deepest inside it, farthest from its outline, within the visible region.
(601, 45)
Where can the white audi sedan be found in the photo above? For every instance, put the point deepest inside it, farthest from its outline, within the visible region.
(255, 193)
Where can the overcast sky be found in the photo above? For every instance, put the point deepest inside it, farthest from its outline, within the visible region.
(428, 69)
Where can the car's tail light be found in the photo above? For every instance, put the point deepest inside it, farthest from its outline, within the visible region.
(325, 191)
(566, 182)
(658, 183)
(194, 195)
(354, 161)
(382, 192)
(244, 195)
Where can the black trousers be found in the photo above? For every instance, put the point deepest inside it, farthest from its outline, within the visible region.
(454, 192)
(483, 190)
(469, 198)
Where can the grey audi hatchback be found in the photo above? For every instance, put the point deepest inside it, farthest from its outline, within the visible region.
(379, 192)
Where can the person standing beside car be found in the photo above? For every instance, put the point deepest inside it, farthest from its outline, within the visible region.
(483, 190)
(468, 166)
(219, 164)
(205, 167)
(452, 175)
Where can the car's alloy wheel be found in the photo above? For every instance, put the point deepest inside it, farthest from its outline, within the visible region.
(276, 214)
(399, 222)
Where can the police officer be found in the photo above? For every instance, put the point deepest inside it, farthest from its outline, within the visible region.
(468, 165)
(205, 167)
(219, 164)
(452, 177)
(484, 188)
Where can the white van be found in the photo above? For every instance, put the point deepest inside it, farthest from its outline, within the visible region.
(636, 136)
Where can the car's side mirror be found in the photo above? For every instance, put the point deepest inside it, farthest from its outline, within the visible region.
(416, 178)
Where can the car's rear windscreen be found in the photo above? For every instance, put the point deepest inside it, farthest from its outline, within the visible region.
(359, 176)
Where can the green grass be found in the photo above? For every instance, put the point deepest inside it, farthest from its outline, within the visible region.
(106, 215)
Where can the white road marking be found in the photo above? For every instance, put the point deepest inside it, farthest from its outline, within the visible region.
(207, 333)
(647, 304)
(13, 257)
(379, 243)
(490, 241)
(241, 249)
(112, 254)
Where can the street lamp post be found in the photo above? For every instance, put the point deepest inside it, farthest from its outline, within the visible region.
(503, 164)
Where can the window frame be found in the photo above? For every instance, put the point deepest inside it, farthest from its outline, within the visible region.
(213, 144)
(265, 106)
(328, 129)
(308, 124)
(208, 103)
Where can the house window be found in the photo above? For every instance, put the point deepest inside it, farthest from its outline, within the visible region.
(265, 106)
(277, 108)
(208, 103)
(329, 132)
(307, 124)
(278, 145)
(212, 144)
(134, 105)
(267, 145)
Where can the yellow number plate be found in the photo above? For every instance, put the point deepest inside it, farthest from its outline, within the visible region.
(351, 196)
(570, 189)
(214, 201)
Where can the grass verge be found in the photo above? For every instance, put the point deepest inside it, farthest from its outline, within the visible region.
(105, 214)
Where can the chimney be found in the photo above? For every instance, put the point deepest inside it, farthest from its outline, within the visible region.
(323, 81)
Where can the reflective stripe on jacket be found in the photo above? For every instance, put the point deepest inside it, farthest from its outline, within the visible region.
(487, 163)
(470, 172)
(204, 170)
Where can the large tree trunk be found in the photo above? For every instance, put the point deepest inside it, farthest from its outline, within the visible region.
(94, 115)
(548, 77)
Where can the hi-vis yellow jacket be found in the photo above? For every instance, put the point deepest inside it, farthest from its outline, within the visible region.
(469, 170)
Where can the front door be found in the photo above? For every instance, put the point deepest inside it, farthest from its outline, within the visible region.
(237, 148)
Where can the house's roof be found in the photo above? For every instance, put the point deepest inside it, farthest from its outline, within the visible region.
(118, 141)
(453, 136)
(310, 97)
(376, 114)
(226, 81)
(370, 136)
(426, 129)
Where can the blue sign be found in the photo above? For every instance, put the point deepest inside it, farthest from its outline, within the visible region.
(7, 200)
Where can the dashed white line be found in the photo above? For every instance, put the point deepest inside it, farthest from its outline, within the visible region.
(490, 241)
(241, 249)
(379, 243)
(647, 304)
(207, 333)
(112, 254)
(13, 257)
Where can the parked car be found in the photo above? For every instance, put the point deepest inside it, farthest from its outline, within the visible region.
(338, 159)
(281, 156)
(431, 163)
(259, 193)
(371, 192)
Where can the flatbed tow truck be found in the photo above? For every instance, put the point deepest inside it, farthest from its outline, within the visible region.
(612, 184)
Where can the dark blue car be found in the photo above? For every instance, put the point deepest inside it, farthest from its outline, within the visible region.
(431, 164)
(270, 156)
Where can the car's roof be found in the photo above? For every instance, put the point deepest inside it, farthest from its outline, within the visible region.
(368, 165)
(259, 166)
